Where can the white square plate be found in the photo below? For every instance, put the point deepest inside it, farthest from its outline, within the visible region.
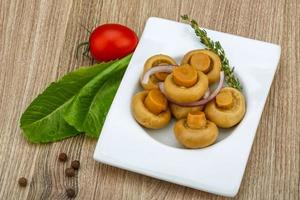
(217, 169)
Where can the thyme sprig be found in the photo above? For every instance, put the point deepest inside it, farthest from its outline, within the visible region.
(217, 48)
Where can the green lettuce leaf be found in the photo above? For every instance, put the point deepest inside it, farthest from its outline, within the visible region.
(43, 120)
(89, 107)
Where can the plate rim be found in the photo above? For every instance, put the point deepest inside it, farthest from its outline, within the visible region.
(99, 156)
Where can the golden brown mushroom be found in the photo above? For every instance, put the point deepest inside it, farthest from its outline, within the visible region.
(206, 61)
(180, 112)
(227, 109)
(185, 84)
(150, 109)
(196, 131)
(153, 61)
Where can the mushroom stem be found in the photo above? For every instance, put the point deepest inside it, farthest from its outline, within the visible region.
(156, 102)
(201, 62)
(185, 75)
(196, 120)
(224, 100)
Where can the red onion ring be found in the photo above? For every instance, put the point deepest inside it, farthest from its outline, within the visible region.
(200, 102)
(162, 89)
(207, 93)
(153, 70)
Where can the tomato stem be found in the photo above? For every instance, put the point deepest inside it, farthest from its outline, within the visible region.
(88, 30)
(86, 49)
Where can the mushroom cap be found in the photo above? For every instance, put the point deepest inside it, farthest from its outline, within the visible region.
(185, 95)
(227, 117)
(155, 61)
(195, 138)
(180, 112)
(146, 118)
(214, 73)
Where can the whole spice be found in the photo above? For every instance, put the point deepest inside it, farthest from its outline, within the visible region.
(70, 192)
(63, 157)
(216, 47)
(22, 182)
(75, 164)
(70, 172)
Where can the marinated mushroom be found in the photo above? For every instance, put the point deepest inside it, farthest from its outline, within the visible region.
(185, 84)
(206, 61)
(180, 112)
(150, 109)
(153, 61)
(227, 109)
(196, 131)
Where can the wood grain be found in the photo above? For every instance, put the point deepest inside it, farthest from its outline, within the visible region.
(37, 46)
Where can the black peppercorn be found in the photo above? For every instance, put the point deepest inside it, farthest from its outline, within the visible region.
(22, 182)
(70, 192)
(75, 164)
(63, 157)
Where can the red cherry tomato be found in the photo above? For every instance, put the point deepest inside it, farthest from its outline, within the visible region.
(111, 41)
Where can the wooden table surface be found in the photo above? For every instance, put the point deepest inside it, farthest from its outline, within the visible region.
(37, 46)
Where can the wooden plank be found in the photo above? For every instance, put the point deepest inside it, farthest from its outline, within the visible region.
(37, 45)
